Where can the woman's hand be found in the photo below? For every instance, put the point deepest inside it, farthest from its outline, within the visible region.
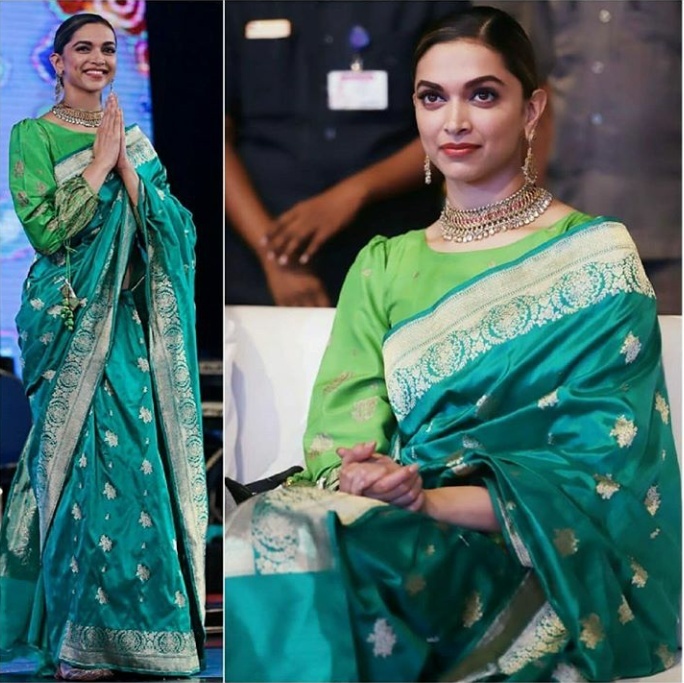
(377, 476)
(107, 145)
(295, 286)
(301, 231)
(122, 162)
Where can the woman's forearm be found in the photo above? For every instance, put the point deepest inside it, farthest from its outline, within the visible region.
(130, 180)
(467, 506)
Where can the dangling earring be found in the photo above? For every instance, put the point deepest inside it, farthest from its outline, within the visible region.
(59, 87)
(427, 170)
(528, 169)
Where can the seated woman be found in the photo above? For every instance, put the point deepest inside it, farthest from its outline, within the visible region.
(492, 409)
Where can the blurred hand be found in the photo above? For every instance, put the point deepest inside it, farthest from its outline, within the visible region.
(295, 286)
(301, 231)
(373, 475)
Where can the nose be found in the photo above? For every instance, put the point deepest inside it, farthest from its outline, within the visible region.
(457, 120)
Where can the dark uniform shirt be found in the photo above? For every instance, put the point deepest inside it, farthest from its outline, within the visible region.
(294, 147)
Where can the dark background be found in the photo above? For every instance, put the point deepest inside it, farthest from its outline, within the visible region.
(185, 39)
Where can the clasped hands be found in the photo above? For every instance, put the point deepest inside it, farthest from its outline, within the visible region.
(367, 473)
(299, 232)
(109, 148)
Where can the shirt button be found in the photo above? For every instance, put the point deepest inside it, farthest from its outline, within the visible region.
(598, 67)
(597, 119)
(330, 133)
(328, 39)
(605, 16)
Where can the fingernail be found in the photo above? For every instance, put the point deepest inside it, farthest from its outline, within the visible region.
(282, 260)
(303, 259)
(270, 256)
(263, 241)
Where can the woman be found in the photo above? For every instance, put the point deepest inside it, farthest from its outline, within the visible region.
(102, 545)
(507, 358)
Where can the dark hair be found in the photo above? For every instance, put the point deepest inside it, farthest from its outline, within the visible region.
(495, 29)
(67, 28)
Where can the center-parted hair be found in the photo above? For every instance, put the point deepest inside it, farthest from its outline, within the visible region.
(67, 28)
(493, 28)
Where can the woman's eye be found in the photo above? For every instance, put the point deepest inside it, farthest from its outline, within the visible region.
(484, 95)
(430, 97)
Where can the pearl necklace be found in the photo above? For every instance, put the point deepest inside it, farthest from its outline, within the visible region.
(521, 208)
(81, 117)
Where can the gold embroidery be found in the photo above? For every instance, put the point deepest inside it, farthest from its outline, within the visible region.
(652, 500)
(640, 576)
(662, 407)
(383, 639)
(145, 415)
(625, 614)
(592, 631)
(320, 443)
(143, 573)
(630, 348)
(545, 634)
(565, 541)
(472, 612)
(22, 198)
(363, 410)
(549, 400)
(101, 596)
(567, 673)
(605, 486)
(111, 439)
(430, 550)
(421, 354)
(337, 382)
(666, 656)
(655, 532)
(415, 584)
(19, 169)
(624, 431)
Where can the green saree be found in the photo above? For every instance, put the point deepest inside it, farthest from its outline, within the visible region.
(102, 543)
(538, 377)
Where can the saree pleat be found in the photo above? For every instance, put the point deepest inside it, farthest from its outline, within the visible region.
(541, 380)
(105, 525)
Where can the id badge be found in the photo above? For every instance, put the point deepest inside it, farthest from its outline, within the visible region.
(357, 90)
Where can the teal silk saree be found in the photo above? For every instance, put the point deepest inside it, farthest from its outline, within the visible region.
(539, 378)
(102, 542)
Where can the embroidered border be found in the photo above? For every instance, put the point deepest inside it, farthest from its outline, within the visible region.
(581, 270)
(154, 651)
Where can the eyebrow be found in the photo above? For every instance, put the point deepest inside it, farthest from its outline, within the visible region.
(89, 43)
(470, 84)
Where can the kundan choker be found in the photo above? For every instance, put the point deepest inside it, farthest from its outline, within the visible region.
(521, 208)
(81, 117)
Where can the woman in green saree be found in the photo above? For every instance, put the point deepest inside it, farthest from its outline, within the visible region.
(492, 411)
(102, 542)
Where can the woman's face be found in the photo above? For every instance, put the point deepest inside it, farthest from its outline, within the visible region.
(88, 61)
(471, 113)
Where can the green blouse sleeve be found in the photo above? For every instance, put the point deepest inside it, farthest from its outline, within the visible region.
(349, 404)
(50, 214)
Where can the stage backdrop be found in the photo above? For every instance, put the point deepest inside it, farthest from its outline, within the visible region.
(27, 90)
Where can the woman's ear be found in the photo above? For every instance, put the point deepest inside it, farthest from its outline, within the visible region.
(56, 61)
(534, 109)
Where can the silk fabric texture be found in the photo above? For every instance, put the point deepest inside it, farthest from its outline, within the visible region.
(102, 544)
(539, 378)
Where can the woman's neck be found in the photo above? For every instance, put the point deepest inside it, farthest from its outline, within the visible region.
(462, 195)
(83, 100)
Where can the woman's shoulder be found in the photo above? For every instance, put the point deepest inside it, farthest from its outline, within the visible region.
(382, 248)
(31, 126)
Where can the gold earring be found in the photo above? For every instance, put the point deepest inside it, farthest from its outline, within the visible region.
(529, 170)
(59, 87)
(427, 169)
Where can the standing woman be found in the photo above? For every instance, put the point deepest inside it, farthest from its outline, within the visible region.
(492, 488)
(102, 544)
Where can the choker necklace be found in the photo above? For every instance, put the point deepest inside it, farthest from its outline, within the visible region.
(521, 208)
(81, 117)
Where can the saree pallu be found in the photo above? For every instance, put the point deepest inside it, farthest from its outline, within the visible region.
(541, 380)
(102, 544)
